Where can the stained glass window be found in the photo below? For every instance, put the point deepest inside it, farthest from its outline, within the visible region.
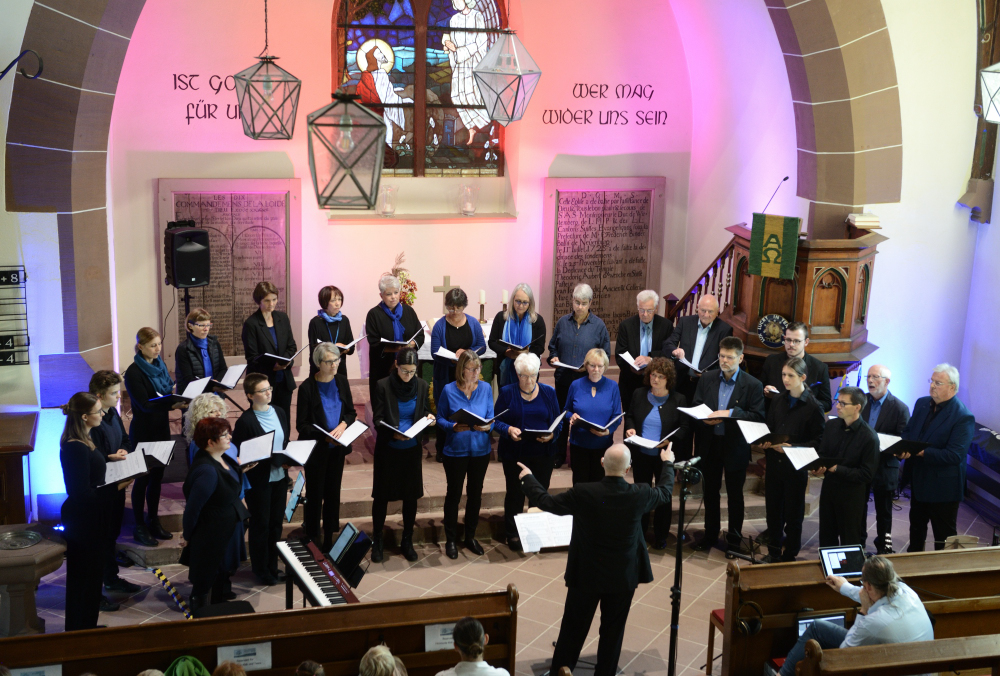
(385, 47)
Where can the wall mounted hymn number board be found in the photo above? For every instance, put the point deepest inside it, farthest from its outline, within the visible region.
(608, 236)
(13, 316)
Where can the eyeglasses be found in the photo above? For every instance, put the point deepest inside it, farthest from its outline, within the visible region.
(522, 303)
(877, 378)
(473, 369)
(203, 325)
(844, 403)
(452, 310)
(939, 383)
(100, 413)
(793, 341)
(407, 372)
(330, 362)
(595, 366)
(647, 312)
(529, 376)
(266, 390)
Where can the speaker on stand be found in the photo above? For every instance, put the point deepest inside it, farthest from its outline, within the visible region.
(186, 257)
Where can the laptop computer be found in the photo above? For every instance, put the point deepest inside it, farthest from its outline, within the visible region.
(845, 561)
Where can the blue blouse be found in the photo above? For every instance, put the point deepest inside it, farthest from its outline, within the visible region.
(406, 411)
(471, 442)
(329, 394)
(598, 409)
(652, 426)
(537, 414)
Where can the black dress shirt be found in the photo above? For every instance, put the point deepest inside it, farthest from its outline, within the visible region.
(855, 448)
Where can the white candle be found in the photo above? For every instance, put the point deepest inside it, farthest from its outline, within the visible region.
(504, 296)
(482, 297)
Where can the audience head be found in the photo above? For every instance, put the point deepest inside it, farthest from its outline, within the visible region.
(455, 301)
(310, 668)
(582, 296)
(468, 368)
(878, 380)
(265, 294)
(207, 405)
(4, 671)
(470, 638)
(377, 661)
(209, 430)
(83, 413)
(879, 578)
(850, 401)
(595, 364)
(708, 309)
(400, 667)
(327, 357)
(258, 390)
(106, 386)
(617, 459)
(662, 370)
(730, 355)
(796, 339)
(389, 288)
(147, 672)
(199, 323)
(522, 300)
(148, 343)
(944, 383)
(646, 303)
(229, 668)
(793, 374)
(330, 300)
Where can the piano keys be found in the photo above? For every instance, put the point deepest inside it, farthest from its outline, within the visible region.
(320, 581)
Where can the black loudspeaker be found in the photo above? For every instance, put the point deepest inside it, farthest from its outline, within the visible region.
(186, 255)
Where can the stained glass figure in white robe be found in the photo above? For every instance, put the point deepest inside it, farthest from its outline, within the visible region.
(465, 50)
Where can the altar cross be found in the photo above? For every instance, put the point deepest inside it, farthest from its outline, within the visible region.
(445, 287)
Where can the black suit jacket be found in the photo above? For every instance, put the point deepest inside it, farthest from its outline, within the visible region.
(746, 403)
(629, 334)
(939, 474)
(150, 421)
(378, 325)
(188, 365)
(385, 407)
(670, 419)
(817, 377)
(248, 427)
(891, 420)
(257, 341)
(309, 411)
(319, 332)
(685, 335)
(607, 553)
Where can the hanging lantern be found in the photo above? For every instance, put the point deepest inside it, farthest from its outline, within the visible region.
(989, 82)
(268, 96)
(507, 77)
(346, 152)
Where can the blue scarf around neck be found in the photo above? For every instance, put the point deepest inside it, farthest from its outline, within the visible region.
(335, 319)
(156, 372)
(206, 361)
(396, 316)
(516, 332)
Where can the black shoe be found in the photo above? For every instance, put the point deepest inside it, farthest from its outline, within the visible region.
(142, 535)
(660, 544)
(109, 606)
(123, 586)
(559, 462)
(377, 552)
(473, 546)
(514, 543)
(439, 456)
(268, 580)
(406, 546)
(122, 559)
(229, 595)
(705, 544)
(279, 576)
(158, 531)
(450, 549)
(197, 602)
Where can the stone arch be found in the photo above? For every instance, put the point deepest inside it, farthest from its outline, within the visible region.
(847, 113)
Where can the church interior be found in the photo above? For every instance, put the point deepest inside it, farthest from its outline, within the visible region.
(823, 164)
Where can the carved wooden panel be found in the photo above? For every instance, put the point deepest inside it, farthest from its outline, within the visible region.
(828, 300)
(778, 297)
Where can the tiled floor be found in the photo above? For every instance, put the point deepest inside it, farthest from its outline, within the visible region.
(538, 578)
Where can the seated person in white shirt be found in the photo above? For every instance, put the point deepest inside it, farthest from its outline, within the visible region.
(890, 612)
(470, 642)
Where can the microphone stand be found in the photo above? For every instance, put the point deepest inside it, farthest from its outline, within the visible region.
(688, 477)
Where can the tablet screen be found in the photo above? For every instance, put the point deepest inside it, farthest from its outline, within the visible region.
(835, 619)
(843, 561)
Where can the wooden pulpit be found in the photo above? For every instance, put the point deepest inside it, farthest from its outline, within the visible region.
(17, 439)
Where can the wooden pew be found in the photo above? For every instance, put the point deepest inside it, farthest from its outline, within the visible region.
(783, 590)
(900, 659)
(335, 637)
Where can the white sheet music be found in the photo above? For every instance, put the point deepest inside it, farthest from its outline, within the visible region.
(699, 412)
(403, 342)
(299, 451)
(354, 342)
(752, 431)
(552, 427)
(695, 368)
(446, 353)
(800, 456)
(541, 529)
(256, 449)
(194, 388)
(600, 427)
(233, 375)
(886, 441)
(161, 450)
(566, 366)
(355, 430)
(631, 362)
(413, 430)
(119, 470)
(648, 443)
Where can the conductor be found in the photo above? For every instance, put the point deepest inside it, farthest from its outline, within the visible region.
(607, 553)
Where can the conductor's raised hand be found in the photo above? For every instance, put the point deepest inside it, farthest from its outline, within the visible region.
(667, 454)
(524, 471)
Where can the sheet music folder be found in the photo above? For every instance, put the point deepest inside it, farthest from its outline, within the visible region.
(265, 362)
(466, 417)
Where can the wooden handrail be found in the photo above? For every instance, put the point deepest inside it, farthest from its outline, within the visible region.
(716, 279)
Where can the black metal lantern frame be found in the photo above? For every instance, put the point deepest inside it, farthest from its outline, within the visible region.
(346, 153)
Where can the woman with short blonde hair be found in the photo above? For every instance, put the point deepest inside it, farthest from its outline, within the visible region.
(594, 399)
(200, 354)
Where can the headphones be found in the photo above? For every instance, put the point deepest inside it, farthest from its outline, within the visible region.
(749, 626)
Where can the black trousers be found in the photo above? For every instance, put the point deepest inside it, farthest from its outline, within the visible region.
(381, 507)
(718, 461)
(840, 515)
(578, 615)
(469, 473)
(114, 530)
(586, 463)
(146, 493)
(646, 470)
(883, 519)
(943, 517)
(267, 510)
(784, 506)
(85, 562)
(562, 391)
(324, 476)
(513, 502)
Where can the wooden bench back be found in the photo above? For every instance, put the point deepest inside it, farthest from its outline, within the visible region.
(783, 590)
(335, 637)
(900, 659)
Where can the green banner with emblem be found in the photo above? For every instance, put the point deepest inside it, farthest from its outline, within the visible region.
(774, 243)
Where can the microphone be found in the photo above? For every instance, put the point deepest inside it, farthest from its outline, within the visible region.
(773, 194)
(684, 464)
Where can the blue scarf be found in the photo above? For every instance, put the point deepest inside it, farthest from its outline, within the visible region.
(156, 372)
(396, 316)
(515, 332)
(206, 361)
(335, 319)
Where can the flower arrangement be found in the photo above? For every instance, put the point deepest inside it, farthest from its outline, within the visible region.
(408, 290)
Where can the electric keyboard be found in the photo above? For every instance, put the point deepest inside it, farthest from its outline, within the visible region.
(320, 582)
